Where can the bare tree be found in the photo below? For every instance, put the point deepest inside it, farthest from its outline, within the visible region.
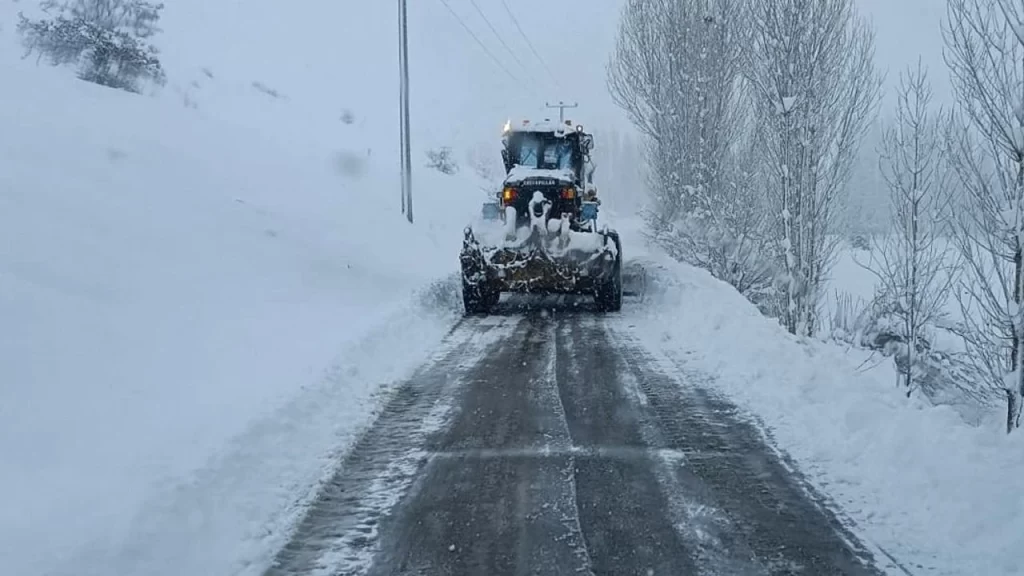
(729, 240)
(815, 89)
(910, 262)
(677, 72)
(984, 51)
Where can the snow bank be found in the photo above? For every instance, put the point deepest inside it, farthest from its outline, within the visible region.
(940, 496)
(169, 283)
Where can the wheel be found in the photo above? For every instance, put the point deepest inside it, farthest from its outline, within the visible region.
(609, 293)
(478, 298)
(492, 298)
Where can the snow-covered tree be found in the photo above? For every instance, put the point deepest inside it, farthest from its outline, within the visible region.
(911, 261)
(984, 50)
(677, 73)
(815, 90)
(136, 17)
(105, 39)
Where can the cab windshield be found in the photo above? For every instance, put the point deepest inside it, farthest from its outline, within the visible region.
(541, 151)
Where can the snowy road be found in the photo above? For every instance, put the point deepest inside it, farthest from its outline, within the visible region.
(566, 448)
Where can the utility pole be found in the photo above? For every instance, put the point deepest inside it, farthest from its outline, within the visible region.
(403, 64)
(561, 109)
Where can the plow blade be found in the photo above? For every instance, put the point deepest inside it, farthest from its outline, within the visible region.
(539, 272)
(535, 268)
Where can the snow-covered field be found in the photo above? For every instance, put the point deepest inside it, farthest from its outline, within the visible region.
(937, 494)
(194, 315)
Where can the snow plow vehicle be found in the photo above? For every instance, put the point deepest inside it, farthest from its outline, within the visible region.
(541, 234)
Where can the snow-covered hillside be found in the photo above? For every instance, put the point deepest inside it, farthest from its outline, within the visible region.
(169, 282)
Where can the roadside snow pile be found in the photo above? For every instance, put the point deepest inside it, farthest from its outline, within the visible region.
(169, 284)
(940, 496)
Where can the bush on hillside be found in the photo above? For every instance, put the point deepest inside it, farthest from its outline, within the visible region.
(442, 160)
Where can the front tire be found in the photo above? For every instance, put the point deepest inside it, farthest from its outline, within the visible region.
(478, 298)
(609, 293)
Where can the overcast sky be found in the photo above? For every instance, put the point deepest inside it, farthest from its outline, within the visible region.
(906, 30)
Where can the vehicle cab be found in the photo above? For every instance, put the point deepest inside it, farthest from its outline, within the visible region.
(546, 160)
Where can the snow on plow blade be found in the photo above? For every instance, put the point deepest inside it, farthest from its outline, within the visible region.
(539, 272)
(562, 263)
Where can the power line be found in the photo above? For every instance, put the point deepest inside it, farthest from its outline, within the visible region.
(530, 44)
(482, 45)
(498, 36)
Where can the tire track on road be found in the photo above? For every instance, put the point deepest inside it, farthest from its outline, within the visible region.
(496, 496)
(622, 505)
(764, 498)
